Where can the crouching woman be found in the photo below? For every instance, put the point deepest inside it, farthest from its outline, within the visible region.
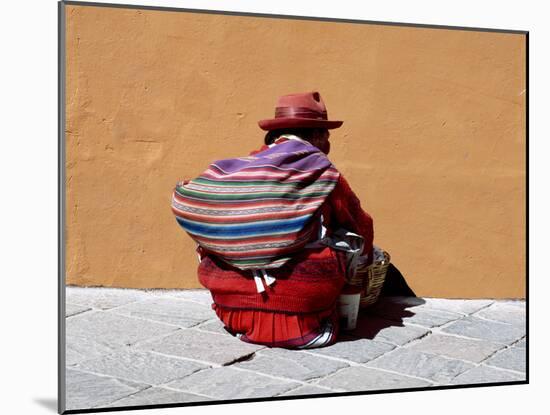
(268, 227)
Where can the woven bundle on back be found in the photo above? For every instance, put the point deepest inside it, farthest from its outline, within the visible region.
(256, 211)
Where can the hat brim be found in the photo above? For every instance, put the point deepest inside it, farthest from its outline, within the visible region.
(279, 123)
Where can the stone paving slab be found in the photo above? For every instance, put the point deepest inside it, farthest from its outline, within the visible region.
(516, 303)
(86, 390)
(460, 306)
(139, 366)
(230, 383)
(354, 350)
(306, 390)
(291, 364)
(175, 311)
(505, 313)
(422, 365)
(521, 343)
(383, 330)
(457, 306)
(513, 358)
(113, 330)
(79, 348)
(360, 378)
(102, 297)
(200, 296)
(215, 326)
(456, 347)
(492, 331)
(423, 316)
(72, 309)
(156, 395)
(486, 374)
(96, 333)
(202, 346)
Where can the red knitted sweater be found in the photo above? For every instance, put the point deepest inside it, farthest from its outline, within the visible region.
(309, 283)
(343, 209)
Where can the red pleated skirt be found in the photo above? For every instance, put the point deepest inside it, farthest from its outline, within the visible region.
(281, 330)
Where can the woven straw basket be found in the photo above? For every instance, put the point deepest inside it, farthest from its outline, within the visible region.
(371, 279)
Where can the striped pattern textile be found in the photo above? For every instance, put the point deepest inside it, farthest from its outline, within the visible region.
(254, 212)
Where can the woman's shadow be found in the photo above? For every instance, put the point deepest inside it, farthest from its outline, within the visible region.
(388, 311)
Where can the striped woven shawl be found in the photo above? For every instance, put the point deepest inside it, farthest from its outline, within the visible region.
(255, 212)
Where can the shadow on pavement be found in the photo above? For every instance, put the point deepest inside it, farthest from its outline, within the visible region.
(386, 312)
(370, 322)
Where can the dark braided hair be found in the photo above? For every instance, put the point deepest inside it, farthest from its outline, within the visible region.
(303, 133)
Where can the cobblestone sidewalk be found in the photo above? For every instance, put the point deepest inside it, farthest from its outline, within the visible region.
(141, 347)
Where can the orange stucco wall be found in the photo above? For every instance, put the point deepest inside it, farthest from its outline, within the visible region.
(433, 140)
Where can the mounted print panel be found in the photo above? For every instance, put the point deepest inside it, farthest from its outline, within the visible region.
(263, 207)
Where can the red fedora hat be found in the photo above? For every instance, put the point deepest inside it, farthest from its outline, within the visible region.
(305, 110)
